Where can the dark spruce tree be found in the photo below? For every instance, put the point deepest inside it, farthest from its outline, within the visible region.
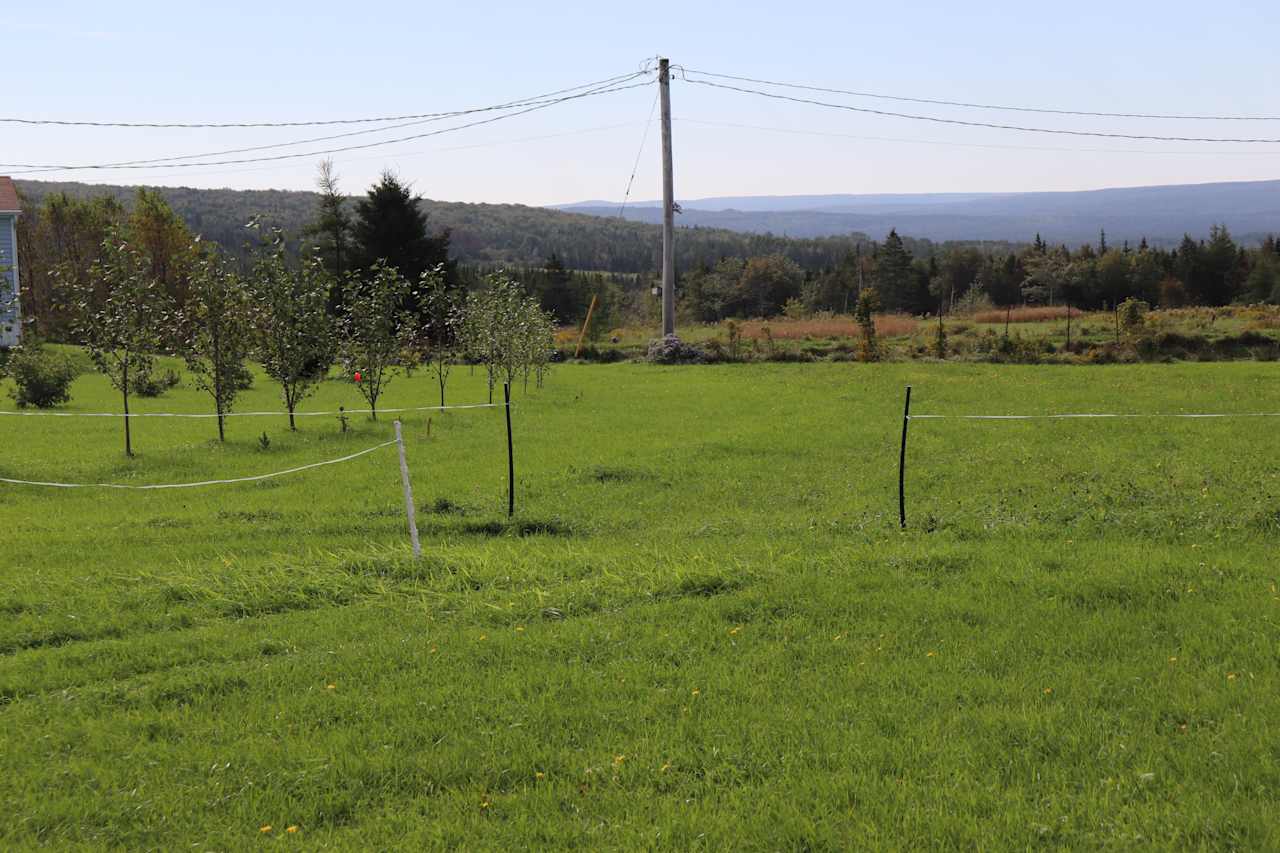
(556, 291)
(390, 227)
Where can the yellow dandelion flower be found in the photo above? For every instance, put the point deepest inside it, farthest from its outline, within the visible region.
(519, 629)
(538, 774)
(697, 692)
(266, 827)
(1231, 676)
(331, 687)
(435, 649)
(291, 829)
(618, 759)
(932, 655)
(734, 631)
(484, 636)
(665, 767)
(1048, 691)
(1173, 659)
(484, 804)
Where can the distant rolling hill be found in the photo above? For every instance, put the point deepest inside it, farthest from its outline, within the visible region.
(482, 234)
(1161, 214)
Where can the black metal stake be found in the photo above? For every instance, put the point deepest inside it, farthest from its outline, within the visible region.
(902, 464)
(511, 460)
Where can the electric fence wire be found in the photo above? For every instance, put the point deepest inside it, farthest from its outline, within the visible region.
(200, 415)
(978, 106)
(1093, 415)
(165, 163)
(155, 486)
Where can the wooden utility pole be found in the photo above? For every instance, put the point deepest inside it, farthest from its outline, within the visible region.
(668, 205)
(586, 325)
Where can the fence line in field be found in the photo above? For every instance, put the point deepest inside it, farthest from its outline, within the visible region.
(155, 486)
(1087, 415)
(907, 418)
(283, 414)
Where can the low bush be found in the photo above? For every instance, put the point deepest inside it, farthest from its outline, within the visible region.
(42, 377)
(151, 385)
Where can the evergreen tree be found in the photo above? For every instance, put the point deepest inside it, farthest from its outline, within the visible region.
(332, 226)
(556, 292)
(390, 227)
(894, 276)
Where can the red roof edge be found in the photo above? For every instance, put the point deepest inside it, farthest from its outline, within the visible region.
(9, 196)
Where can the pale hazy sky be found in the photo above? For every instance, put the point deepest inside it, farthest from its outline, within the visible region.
(287, 61)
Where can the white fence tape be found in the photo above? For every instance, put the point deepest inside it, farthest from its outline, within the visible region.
(203, 482)
(1092, 415)
(247, 414)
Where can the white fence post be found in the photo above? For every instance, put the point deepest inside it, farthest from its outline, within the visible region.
(408, 495)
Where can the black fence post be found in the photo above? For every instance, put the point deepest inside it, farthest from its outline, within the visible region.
(511, 460)
(902, 464)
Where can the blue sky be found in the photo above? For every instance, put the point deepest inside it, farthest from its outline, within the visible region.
(165, 61)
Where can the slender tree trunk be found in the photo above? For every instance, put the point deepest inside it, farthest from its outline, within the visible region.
(124, 390)
(440, 376)
(221, 433)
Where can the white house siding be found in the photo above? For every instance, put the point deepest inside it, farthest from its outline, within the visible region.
(9, 322)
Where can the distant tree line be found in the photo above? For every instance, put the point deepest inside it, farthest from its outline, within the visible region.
(1212, 271)
(565, 260)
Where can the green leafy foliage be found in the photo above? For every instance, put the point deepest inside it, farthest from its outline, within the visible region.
(218, 330)
(293, 334)
(123, 315)
(42, 377)
(376, 328)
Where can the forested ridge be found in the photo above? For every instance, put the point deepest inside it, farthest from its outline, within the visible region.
(482, 234)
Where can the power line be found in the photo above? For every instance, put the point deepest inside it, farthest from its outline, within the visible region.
(314, 123)
(1006, 147)
(27, 168)
(636, 166)
(1005, 108)
(537, 99)
(422, 151)
(992, 125)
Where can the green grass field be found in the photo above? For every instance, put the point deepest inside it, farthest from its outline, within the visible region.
(703, 629)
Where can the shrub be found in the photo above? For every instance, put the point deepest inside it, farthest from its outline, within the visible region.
(1133, 314)
(940, 341)
(43, 377)
(150, 385)
(868, 304)
(672, 350)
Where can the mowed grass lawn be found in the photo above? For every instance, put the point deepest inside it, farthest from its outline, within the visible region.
(703, 629)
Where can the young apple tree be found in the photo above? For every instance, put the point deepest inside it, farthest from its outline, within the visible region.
(293, 336)
(218, 330)
(376, 328)
(122, 315)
